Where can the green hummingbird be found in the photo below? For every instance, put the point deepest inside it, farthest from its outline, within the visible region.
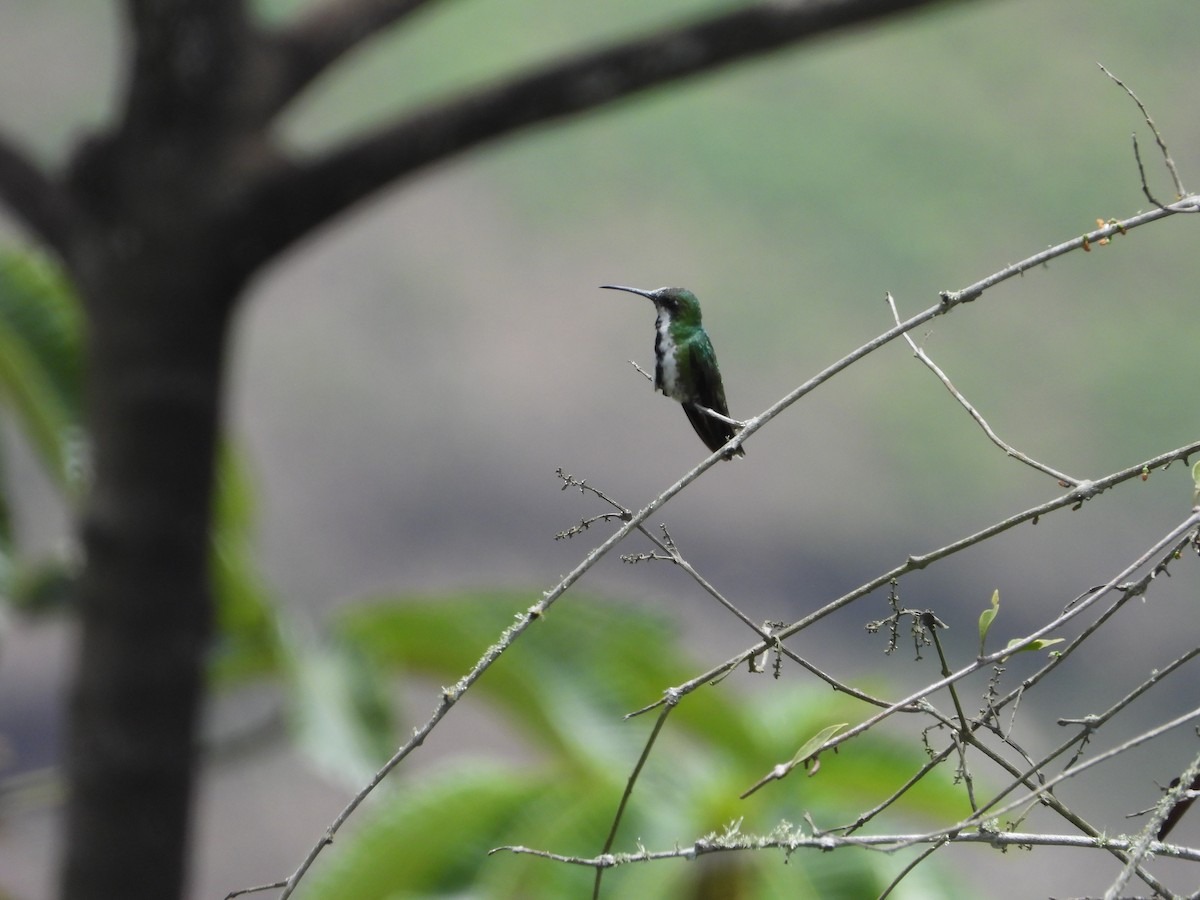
(685, 366)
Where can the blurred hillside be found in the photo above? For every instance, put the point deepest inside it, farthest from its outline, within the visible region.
(406, 384)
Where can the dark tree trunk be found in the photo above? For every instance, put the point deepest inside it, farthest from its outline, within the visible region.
(153, 268)
(157, 310)
(146, 606)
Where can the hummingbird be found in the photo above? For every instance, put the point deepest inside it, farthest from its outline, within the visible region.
(685, 366)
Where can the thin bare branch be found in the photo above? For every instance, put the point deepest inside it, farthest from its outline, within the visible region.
(628, 792)
(1074, 499)
(1187, 526)
(1021, 777)
(670, 553)
(977, 819)
(1183, 537)
(1064, 480)
(886, 843)
(907, 870)
(1189, 204)
(258, 888)
(1137, 157)
(673, 554)
(1092, 723)
(1153, 826)
(1162, 145)
(645, 374)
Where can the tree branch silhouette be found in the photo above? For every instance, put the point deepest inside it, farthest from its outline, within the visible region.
(39, 202)
(291, 200)
(321, 36)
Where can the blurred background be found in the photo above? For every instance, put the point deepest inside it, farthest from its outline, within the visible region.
(404, 385)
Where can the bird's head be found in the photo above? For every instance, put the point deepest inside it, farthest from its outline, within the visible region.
(679, 303)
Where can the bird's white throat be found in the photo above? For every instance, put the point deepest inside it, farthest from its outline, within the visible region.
(666, 372)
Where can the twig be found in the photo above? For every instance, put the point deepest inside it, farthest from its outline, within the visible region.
(886, 843)
(673, 555)
(1039, 792)
(1162, 145)
(1094, 722)
(975, 820)
(1188, 525)
(667, 545)
(1064, 480)
(622, 513)
(712, 413)
(241, 892)
(1073, 498)
(1137, 157)
(1187, 204)
(904, 873)
(1184, 536)
(865, 817)
(645, 374)
(633, 776)
(963, 725)
(1148, 833)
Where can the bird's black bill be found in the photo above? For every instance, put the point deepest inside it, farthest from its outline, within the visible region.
(631, 290)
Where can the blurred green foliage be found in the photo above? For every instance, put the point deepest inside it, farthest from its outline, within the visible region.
(41, 386)
(560, 755)
(41, 360)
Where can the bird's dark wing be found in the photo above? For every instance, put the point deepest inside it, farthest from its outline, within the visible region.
(1178, 810)
(710, 392)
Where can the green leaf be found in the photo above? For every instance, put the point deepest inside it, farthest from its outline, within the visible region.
(561, 694)
(7, 534)
(1039, 644)
(341, 712)
(582, 667)
(41, 361)
(986, 618)
(1196, 481)
(432, 839)
(44, 587)
(250, 642)
(810, 746)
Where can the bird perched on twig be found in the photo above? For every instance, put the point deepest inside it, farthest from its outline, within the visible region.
(685, 366)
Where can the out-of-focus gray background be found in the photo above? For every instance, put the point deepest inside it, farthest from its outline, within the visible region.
(406, 383)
